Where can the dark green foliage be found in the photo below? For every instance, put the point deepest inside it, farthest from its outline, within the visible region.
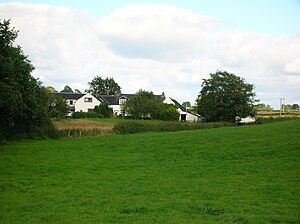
(77, 115)
(67, 89)
(225, 96)
(51, 89)
(106, 86)
(295, 106)
(143, 105)
(186, 104)
(168, 112)
(23, 102)
(103, 111)
(131, 127)
(57, 107)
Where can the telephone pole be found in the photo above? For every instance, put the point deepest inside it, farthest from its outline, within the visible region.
(281, 105)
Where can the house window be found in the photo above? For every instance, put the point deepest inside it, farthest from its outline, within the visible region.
(90, 110)
(71, 102)
(88, 99)
(183, 117)
(122, 101)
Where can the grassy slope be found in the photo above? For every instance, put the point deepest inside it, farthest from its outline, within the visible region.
(248, 174)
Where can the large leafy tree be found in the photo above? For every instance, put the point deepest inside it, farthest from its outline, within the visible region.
(57, 106)
(224, 96)
(295, 106)
(106, 86)
(168, 112)
(67, 89)
(23, 101)
(143, 105)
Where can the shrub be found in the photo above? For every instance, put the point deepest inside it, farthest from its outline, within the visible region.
(103, 111)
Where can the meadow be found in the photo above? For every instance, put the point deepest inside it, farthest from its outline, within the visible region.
(245, 174)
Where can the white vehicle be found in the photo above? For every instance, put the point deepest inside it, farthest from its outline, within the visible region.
(245, 120)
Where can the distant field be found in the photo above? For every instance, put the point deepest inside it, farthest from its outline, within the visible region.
(84, 124)
(93, 123)
(276, 113)
(246, 174)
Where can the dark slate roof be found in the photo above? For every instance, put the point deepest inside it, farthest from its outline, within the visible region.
(69, 96)
(109, 99)
(178, 105)
(75, 96)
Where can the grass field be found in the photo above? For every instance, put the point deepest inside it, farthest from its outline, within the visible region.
(246, 174)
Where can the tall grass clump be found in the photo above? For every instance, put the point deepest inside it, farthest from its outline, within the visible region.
(80, 133)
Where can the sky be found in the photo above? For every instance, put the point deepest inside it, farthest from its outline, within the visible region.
(162, 46)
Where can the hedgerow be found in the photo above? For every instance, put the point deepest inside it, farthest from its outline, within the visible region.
(140, 126)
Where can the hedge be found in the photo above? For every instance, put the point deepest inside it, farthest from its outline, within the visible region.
(140, 126)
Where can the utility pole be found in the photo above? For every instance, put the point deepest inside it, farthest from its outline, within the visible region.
(281, 105)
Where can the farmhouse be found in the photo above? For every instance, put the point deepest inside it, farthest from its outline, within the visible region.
(184, 114)
(81, 102)
(86, 102)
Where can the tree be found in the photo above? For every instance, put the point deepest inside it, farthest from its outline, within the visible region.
(67, 89)
(186, 104)
(295, 106)
(106, 86)
(57, 107)
(143, 105)
(262, 106)
(23, 102)
(224, 96)
(51, 89)
(288, 107)
(168, 112)
(103, 110)
(77, 91)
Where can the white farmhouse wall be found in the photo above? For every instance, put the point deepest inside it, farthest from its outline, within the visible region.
(168, 101)
(71, 106)
(188, 116)
(117, 109)
(82, 106)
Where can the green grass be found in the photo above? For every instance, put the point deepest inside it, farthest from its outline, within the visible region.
(246, 174)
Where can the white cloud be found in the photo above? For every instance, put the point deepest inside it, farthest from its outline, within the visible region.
(156, 47)
(157, 31)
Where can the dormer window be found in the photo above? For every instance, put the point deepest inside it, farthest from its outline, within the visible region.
(88, 99)
(122, 101)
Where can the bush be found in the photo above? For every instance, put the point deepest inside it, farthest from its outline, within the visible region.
(29, 131)
(168, 113)
(77, 115)
(103, 111)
